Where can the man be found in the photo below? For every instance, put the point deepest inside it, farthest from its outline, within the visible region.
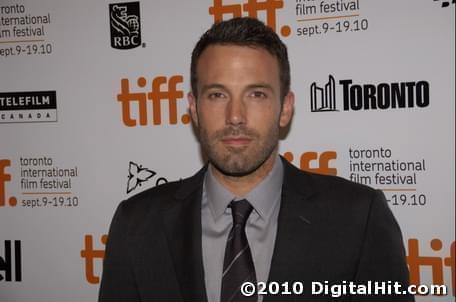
(248, 215)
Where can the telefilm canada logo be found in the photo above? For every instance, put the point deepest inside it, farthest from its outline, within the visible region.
(28, 107)
(125, 24)
(356, 96)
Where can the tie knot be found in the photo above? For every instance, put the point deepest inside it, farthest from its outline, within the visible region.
(240, 210)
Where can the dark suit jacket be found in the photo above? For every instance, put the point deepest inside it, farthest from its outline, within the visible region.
(328, 229)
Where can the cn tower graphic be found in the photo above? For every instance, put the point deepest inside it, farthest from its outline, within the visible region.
(323, 99)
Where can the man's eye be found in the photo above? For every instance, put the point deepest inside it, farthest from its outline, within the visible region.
(258, 94)
(216, 95)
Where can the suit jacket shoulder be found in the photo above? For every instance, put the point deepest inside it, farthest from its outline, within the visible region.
(335, 196)
(331, 229)
(149, 235)
(160, 198)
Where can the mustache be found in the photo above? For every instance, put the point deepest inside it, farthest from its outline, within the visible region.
(236, 131)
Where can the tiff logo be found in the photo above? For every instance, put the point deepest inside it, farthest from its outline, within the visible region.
(90, 254)
(4, 178)
(416, 262)
(125, 25)
(252, 8)
(321, 161)
(156, 95)
(323, 99)
(6, 264)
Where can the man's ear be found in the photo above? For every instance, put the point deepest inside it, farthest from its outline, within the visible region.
(192, 106)
(287, 109)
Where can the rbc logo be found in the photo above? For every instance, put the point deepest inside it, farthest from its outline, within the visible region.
(321, 161)
(4, 178)
(125, 25)
(252, 8)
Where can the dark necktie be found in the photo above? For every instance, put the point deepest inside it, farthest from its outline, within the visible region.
(238, 263)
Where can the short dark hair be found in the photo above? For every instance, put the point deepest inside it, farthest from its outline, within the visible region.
(244, 31)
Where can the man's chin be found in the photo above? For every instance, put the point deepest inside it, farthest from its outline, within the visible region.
(236, 173)
(236, 149)
(236, 168)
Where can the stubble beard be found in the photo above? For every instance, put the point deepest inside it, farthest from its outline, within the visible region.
(238, 161)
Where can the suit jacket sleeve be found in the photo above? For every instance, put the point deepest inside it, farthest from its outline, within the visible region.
(117, 282)
(382, 255)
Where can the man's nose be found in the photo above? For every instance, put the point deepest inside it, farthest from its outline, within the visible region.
(236, 112)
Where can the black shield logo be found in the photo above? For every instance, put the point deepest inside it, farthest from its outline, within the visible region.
(125, 25)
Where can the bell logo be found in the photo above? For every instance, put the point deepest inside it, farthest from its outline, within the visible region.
(6, 264)
(436, 264)
(252, 8)
(89, 254)
(321, 161)
(4, 178)
(156, 95)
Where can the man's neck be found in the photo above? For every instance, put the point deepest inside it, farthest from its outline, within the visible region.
(241, 185)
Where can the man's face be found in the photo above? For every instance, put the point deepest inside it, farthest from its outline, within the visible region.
(238, 109)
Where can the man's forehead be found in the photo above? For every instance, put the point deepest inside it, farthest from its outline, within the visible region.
(228, 57)
(225, 48)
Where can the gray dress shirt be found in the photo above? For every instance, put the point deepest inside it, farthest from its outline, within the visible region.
(261, 226)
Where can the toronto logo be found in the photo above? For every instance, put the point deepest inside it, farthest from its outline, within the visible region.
(323, 99)
(125, 25)
(369, 96)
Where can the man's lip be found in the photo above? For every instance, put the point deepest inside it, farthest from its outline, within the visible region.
(236, 140)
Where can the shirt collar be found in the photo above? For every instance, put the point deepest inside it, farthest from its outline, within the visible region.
(263, 197)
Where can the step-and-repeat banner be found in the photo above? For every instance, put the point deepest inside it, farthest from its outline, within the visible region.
(93, 110)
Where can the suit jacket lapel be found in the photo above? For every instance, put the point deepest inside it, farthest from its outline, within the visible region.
(293, 257)
(182, 220)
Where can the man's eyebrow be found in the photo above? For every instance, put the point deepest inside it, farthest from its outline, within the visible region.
(260, 85)
(212, 86)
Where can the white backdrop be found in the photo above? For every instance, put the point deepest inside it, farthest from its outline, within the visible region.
(69, 155)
